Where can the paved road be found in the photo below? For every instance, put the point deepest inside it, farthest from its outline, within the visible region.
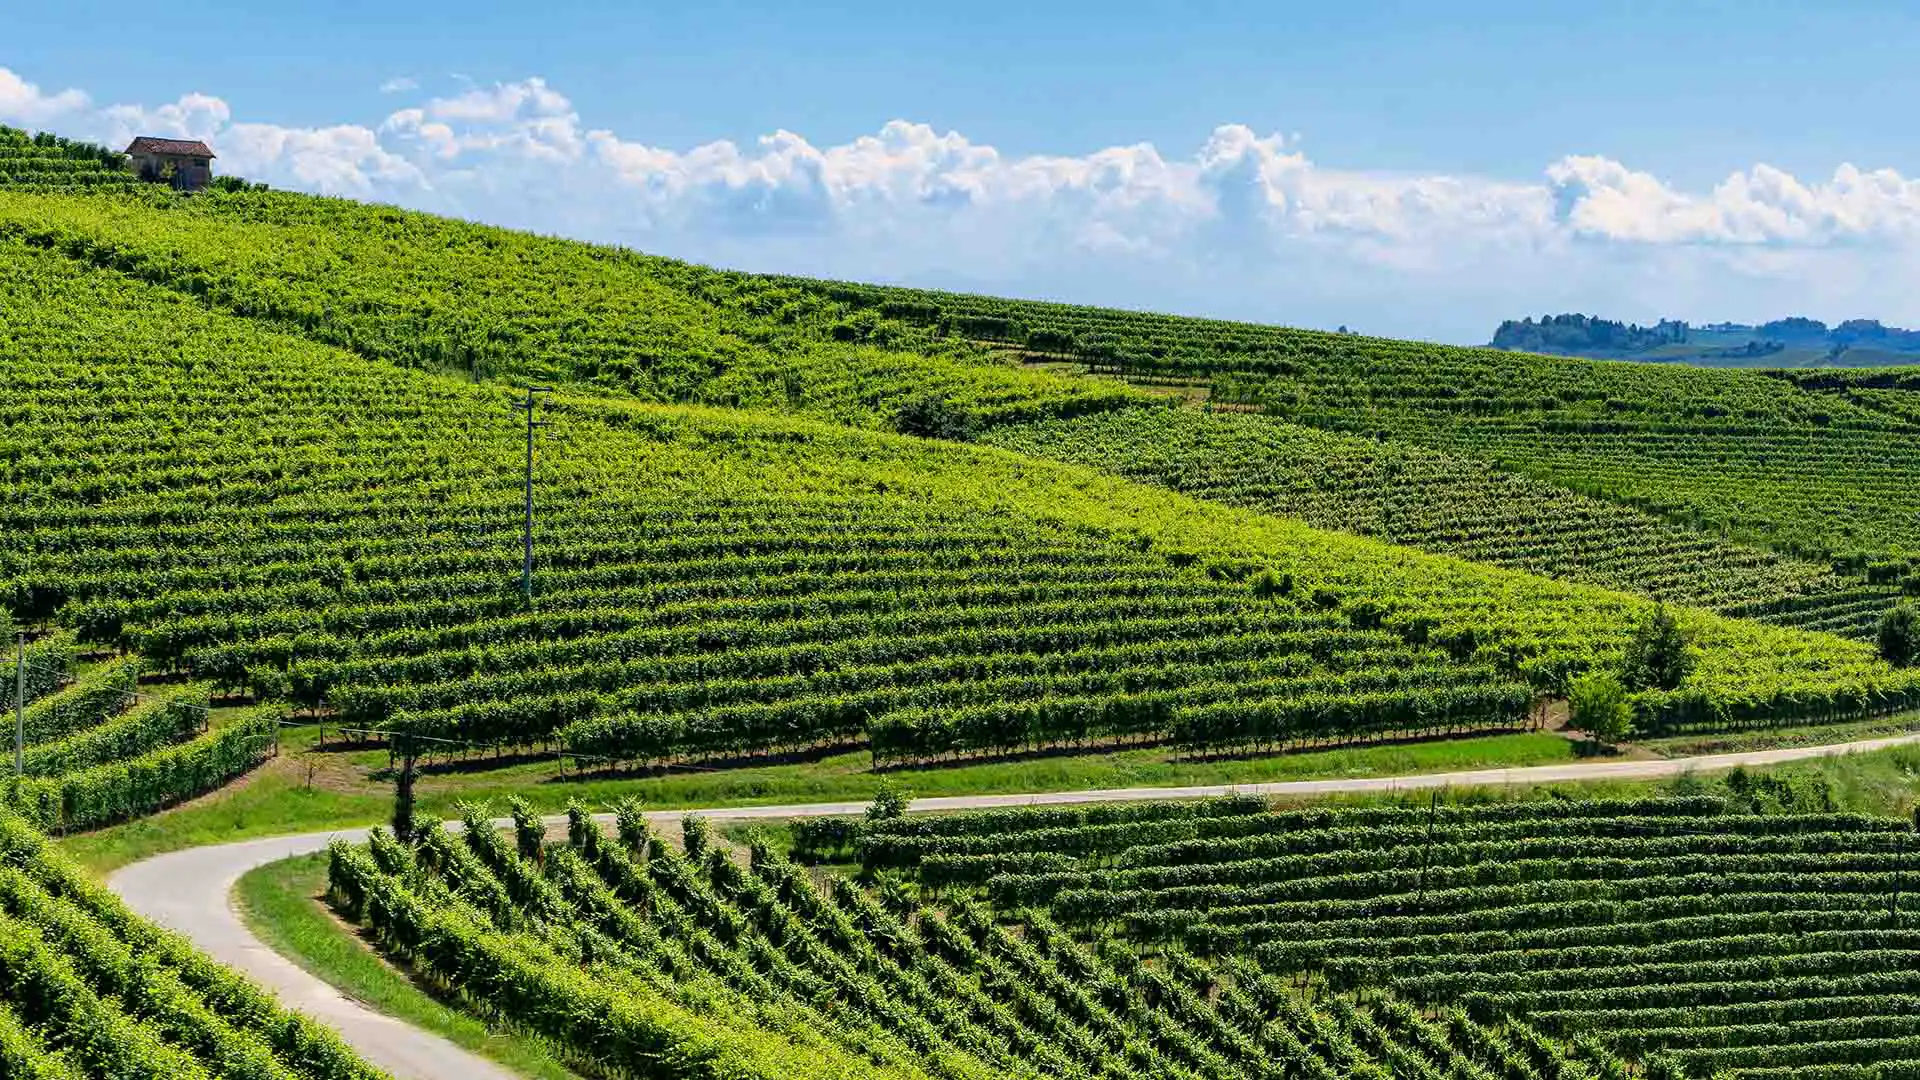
(192, 891)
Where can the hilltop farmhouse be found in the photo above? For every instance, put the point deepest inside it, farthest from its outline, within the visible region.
(186, 164)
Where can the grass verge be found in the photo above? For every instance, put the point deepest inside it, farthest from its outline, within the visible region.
(1777, 738)
(308, 789)
(281, 903)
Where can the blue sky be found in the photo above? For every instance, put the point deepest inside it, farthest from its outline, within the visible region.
(1415, 169)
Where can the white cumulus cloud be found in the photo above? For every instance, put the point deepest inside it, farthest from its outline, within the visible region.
(24, 103)
(1240, 223)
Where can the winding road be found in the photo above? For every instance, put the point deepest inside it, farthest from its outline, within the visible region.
(192, 891)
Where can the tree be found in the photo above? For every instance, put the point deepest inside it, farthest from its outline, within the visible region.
(1658, 657)
(1600, 706)
(889, 801)
(1899, 635)
(403, 825)
(933, 416)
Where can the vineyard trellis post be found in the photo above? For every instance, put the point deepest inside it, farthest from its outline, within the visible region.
(526, 571)
(1426, 845)
(20, 707)
(1899, 860)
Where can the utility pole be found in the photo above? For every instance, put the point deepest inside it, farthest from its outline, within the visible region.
(526, 573)
(20, 708)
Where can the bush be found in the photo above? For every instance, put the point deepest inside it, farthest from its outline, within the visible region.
(1658, 657)
(1600, 706)
(932, 416)
(1897, 635)
(889, 801)
(1268, 585)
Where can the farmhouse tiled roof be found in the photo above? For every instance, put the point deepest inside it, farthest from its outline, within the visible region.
(147, 144)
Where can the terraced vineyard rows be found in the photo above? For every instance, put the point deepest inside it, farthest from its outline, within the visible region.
(1839, 495)
(1806, 464)
(346, 537)
(1678, 935)
(90, 991)
(44, 162)
(612, 929)
(102, 748)
(445, 295)
(1453, 505)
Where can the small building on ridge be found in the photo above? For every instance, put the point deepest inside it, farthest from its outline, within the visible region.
(185, 163)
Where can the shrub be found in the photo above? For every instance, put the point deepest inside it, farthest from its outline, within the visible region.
(889, 802)
(1897, 635)
(933, 416)
(1600, 706)
(1658, 657)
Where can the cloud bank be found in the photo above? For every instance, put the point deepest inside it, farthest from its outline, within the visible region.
(1240, 225)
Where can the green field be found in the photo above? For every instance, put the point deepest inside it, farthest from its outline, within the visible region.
(1753, 929)
(262, 461)
(91, 991)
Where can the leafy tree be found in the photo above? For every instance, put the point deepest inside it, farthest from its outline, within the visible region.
(1600, 706)
(889, 802)
(1899, 635)
(1658, 657)
(932, 416)
(403, 823)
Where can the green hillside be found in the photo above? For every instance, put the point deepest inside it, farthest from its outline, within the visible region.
(1688, 937)
(1809, 464)
(447, 296)
(91, 991)
(1669, 938)
(261, 461)
(1451, 503)
(346, 536)
(267, 440)
(44, 162)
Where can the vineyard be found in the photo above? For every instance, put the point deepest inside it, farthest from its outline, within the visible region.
(1448, 503)
(714, 584)
(448, 296)
(1809, 465)
(262, 459)
(101, 747)
(1690, 937)
(621, 950)
(87, 990)
(1777, 496)
(47, 163)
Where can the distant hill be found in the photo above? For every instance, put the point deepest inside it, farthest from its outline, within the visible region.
(1791, 342)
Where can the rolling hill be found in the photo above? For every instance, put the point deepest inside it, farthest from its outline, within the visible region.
(283, 516)
(261, 456)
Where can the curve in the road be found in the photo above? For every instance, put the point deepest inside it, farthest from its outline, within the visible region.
(192, 891)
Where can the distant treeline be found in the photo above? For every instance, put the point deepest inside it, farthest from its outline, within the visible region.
(1581, 334)
(1585, 335)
